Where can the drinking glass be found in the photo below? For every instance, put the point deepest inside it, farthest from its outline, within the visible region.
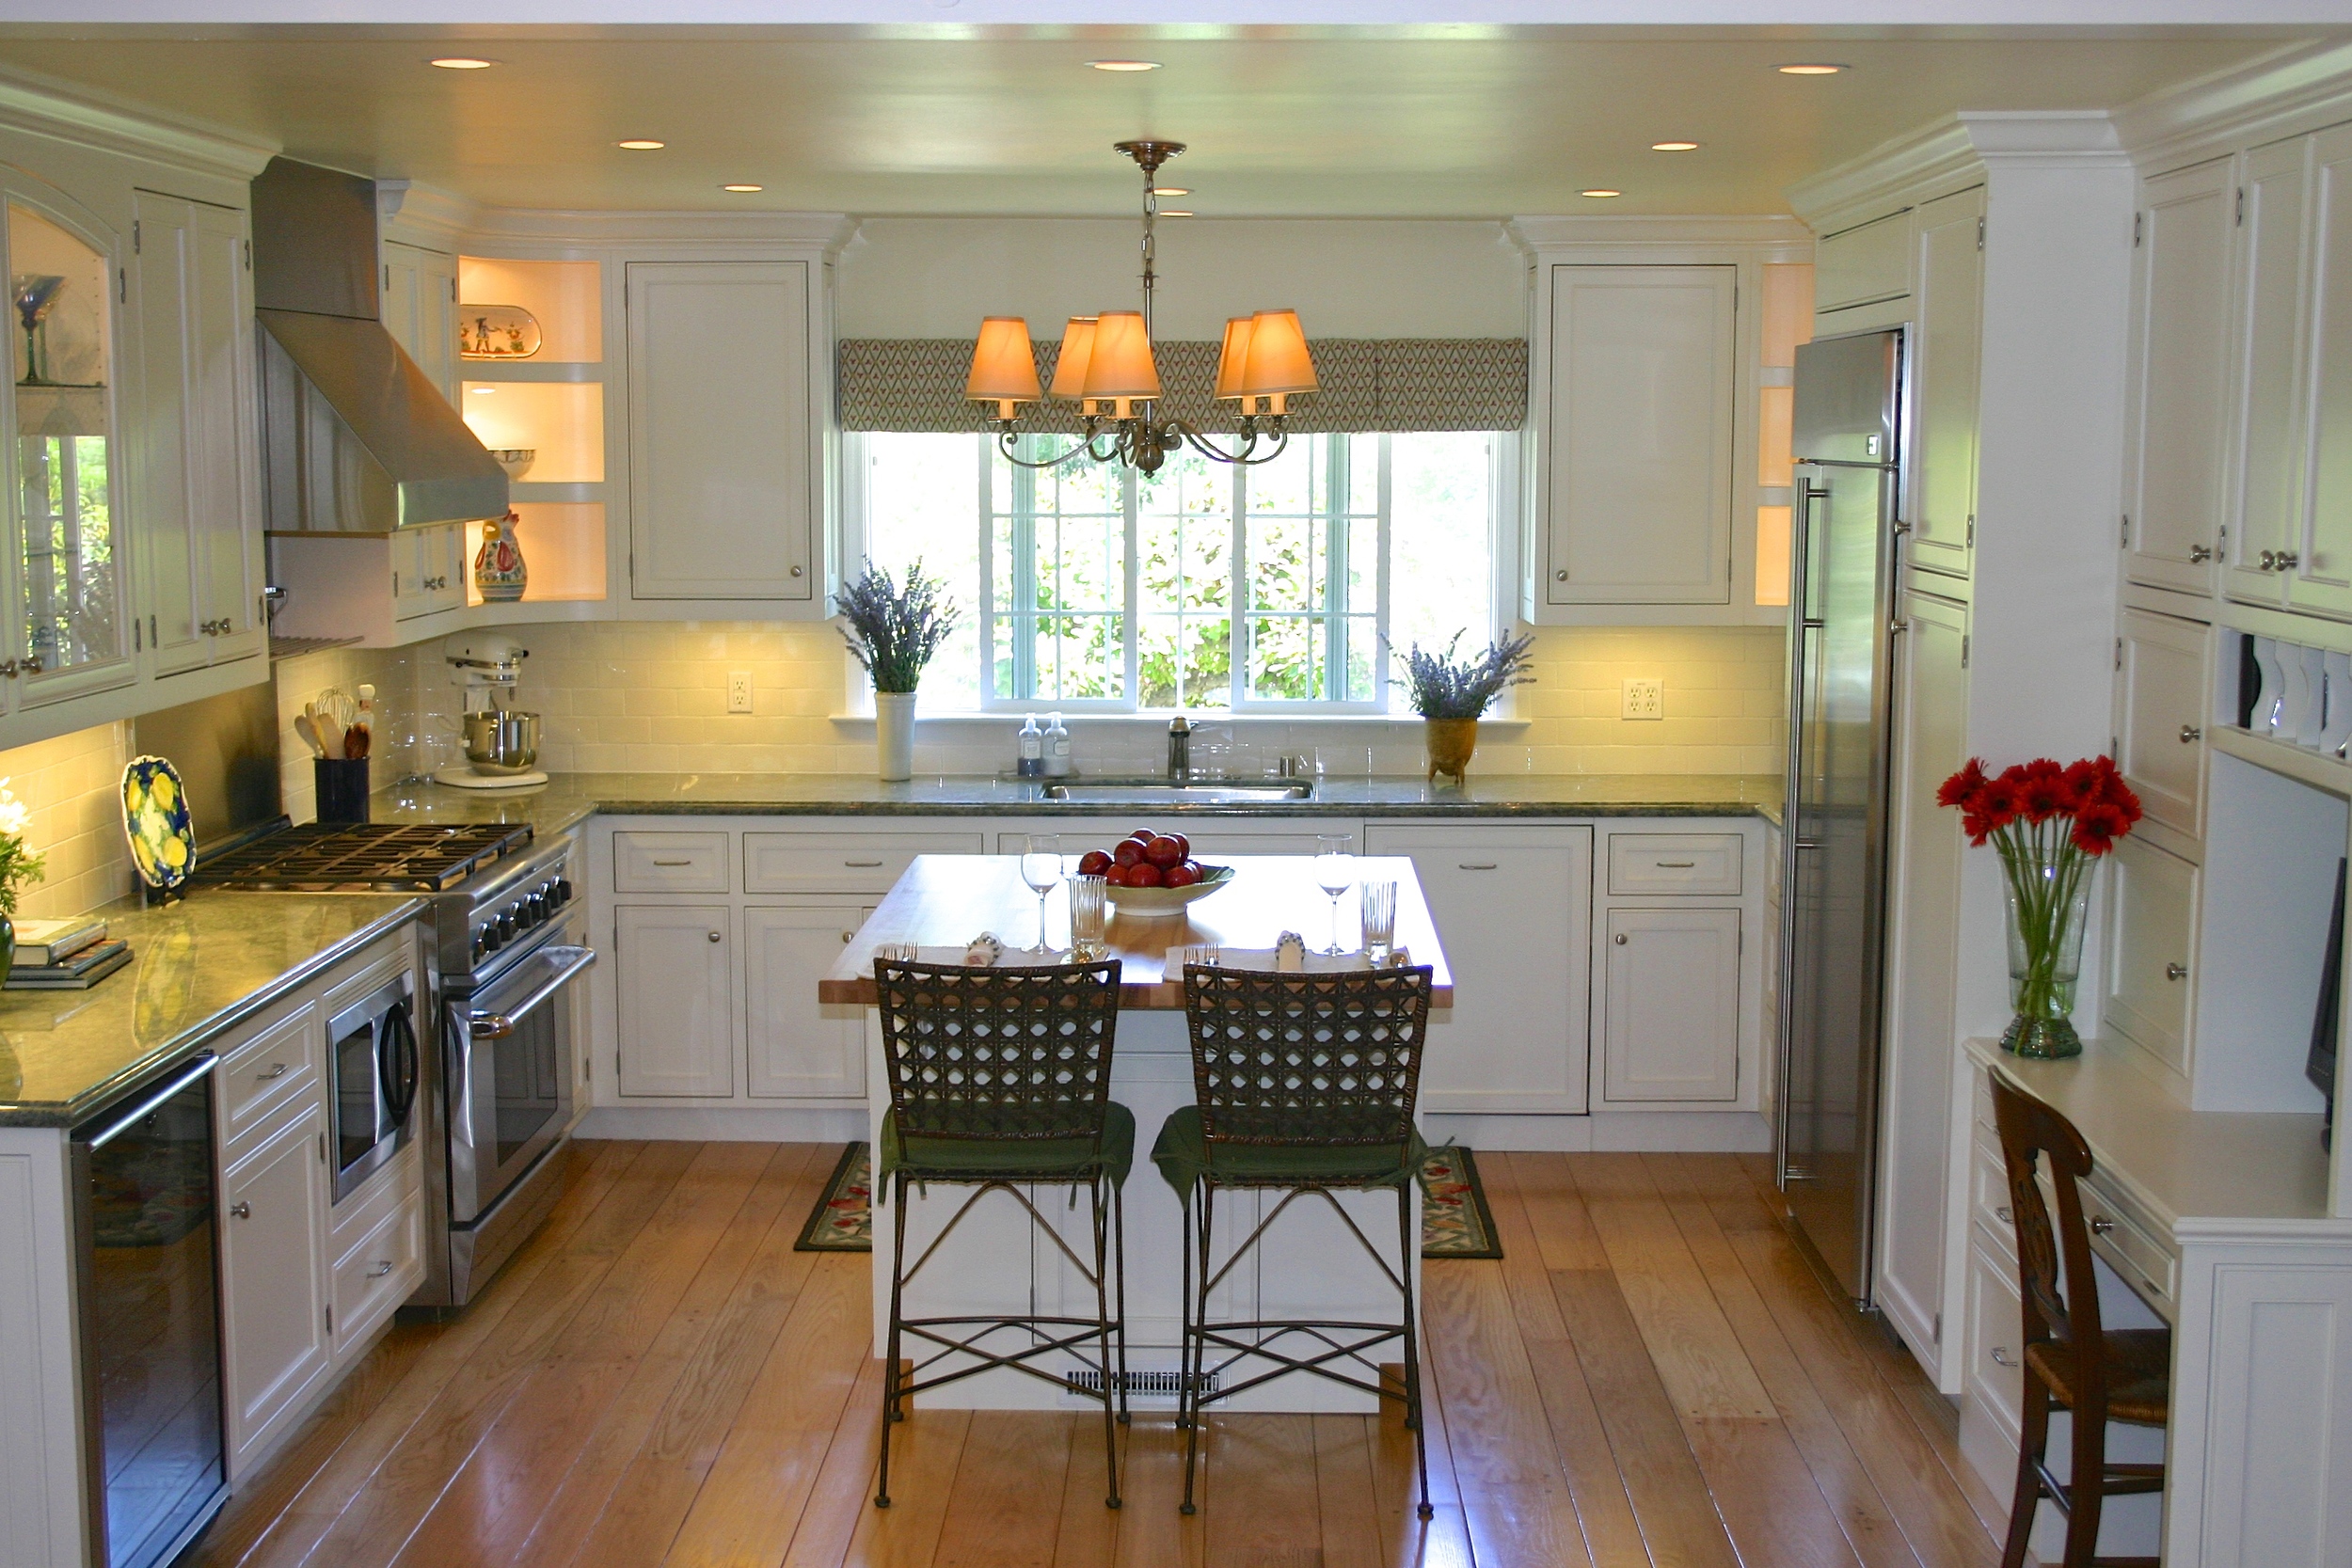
(1335, 873)
(1378, 908)
(1090, 940)
(1041, 867)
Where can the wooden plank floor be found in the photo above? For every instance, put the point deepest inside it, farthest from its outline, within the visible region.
(1653, 1375)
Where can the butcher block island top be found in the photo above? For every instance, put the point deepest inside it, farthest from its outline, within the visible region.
(946, 900)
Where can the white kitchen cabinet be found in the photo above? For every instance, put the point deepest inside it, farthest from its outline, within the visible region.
(420, 291)
(1864, 264)
(2321, 577)
(796, 1046)
(2270, 408)
(2175, 460)
(677, 993)
(729, 377)
(2147, 991)
(1948, 350)
(1670, 1006)
(1513, 906)
(199, 492)
(2163, 679)
(428, 566)
(1636, 433)
(275, 1335)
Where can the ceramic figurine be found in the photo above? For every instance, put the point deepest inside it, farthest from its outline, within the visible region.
(498, 570)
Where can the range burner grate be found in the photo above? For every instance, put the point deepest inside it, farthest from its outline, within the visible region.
(362, 858)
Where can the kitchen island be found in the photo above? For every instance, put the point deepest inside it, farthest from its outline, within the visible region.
(992, 1262)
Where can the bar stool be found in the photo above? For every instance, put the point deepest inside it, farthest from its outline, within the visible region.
(1000, 1081)
(1305, 1084)
(2098, 1374)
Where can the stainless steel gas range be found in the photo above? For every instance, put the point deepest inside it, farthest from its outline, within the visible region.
(497, 1033)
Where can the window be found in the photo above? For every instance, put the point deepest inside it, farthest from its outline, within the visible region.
(1268, 588)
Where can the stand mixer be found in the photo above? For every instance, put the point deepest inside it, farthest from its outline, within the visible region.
(502, 741)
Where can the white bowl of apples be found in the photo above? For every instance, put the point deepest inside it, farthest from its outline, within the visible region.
(1152, 874)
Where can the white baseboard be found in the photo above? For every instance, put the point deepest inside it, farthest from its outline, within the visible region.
(1648, 1132)
(718, 1124)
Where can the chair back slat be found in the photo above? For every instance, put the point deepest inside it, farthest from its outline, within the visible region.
(998, 1053)
(2060, 1297)
(1327, 1059)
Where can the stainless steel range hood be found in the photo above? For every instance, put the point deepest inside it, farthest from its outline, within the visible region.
(357, 439)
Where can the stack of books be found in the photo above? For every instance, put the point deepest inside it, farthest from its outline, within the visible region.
(64, 954)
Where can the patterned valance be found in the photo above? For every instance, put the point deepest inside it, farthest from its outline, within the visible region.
(1367, 384)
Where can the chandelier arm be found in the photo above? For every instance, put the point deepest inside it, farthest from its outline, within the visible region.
(1239, 456)
(1005, 439)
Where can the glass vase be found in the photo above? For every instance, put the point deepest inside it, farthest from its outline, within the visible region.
(2049, 899)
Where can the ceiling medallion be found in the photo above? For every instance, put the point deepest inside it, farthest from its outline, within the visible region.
(1108, 367)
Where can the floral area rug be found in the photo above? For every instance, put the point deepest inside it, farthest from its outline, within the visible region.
(1454, 1219)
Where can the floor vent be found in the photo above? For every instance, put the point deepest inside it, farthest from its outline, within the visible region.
(1146, 1387)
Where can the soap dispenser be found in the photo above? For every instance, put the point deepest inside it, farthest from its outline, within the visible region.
(1056, 748)
(1029, 749)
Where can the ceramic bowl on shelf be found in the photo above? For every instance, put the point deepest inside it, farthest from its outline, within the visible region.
(516, 461)
(1154, 903)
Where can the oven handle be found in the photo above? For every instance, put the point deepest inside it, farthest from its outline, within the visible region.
(570, 961)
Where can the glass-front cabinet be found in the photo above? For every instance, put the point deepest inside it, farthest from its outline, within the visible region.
(67, 629)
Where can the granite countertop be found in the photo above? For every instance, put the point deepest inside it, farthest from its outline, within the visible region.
(568, 799)
(197, 967)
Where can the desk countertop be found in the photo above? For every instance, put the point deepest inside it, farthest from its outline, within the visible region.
(946, 900)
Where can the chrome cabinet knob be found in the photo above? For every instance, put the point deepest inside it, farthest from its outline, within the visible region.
(2190, 734)
(277, 1070)
(383, 1267)
(2004, 1216)
(1621, 939)
(2200, 553)
(1561, 575)
(2289, 561)
(2101, 1224)
(2176, 972)
(2267, 561)
(714, 936)
(797, 571)
(243, 1211)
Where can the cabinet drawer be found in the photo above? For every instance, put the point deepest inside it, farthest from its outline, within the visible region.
(376, 1275)
(841, 863)
(1980, 1091)
(669, 863)
(1988, 1196)
(2150, 957)
(273, 1069)
(2128, 1242)
(1646, 863)
(2162, 690)
(1996, 1335)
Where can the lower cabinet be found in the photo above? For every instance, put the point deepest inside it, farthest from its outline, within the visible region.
(796, 1047)
(274, 1328)
(677, 988)
(1996, 1378)
(1671, 1004)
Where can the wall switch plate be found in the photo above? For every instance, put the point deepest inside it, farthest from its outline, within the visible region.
(1645, 698)
(740, 692)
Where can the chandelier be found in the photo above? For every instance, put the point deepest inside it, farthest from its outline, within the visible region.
(1107, 367)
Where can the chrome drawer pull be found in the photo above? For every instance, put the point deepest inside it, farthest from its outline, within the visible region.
(2101, 1224)
(674, 862)
(241, 1211)
(277, 1070)
(2176, 972)
(2004, 1216)
(1478, 865)
(862, 864)
(381, 1269)
(1675, 866)
(2001, 1357)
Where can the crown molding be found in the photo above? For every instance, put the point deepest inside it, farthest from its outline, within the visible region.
(424, 207)
(1662, 231)
(2301, 88)
(827, 231)
(89, 117)
(1853, 192)
(2050, 139)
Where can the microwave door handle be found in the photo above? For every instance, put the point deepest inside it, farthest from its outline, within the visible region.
(396, 1066)
(497, 1025)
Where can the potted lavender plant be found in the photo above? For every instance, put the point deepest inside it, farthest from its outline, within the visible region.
(1450, 694)
(893, 631)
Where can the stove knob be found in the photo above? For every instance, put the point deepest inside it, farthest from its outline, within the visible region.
(489, 940)
(563, 892)
(506, 925)
(533, 911)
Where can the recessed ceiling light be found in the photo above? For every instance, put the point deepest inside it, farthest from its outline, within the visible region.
(1174, 213)
(743, 190)
(1812, 69)
(1124, 65)
(1673, 147)
(641, 144)
(1172, 190)
(1600, 193)
(461, 62)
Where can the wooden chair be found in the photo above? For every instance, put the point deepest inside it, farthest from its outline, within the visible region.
(1000, 1081)
(1305, 1084)
(2097, 1374)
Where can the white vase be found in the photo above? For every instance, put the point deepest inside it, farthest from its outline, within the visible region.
(894, 735)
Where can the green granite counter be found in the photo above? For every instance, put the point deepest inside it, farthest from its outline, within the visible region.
(197, 968)
(568, 799)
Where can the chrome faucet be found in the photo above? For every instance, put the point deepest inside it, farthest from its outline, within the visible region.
(1180, 750)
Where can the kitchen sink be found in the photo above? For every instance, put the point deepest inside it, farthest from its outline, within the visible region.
(1112, 792)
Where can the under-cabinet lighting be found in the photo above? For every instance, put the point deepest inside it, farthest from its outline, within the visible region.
(1172, 190)
(1815, 67)
(1124, 65)
(482, 392)
(1599, 193)
(461, 62)
(1673, 147)
(743, 190)
(641, 143)
(1174, 213)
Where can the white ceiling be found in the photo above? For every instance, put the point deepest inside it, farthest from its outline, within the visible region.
(1482, 123)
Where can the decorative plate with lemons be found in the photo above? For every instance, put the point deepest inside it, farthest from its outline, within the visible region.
(155, 820)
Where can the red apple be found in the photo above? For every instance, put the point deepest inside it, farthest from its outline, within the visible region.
(1183, 846)
(1199, 871)
(1143, 875)
(1164, 852)
(1093, 863)
(1178, 876)
(1128, 852)
(1143, 835)
(1116, 875)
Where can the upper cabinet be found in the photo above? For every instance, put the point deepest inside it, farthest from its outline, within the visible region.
(1947, 349)
(419, 295)
(2176, 446)
(1863, 264)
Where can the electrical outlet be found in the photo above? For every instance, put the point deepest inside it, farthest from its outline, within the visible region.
(740, 692)
(1645, 698)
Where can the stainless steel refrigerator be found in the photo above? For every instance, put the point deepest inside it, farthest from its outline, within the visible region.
(1842, 628)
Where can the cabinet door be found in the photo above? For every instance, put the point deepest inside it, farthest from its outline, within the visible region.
(420, 309)
(225, 522)
(724, 483)
(1511, 907)
(676, 992)
(2161, 683)
(2271, 413)
(2177, 423)
(274, 1332)
(2152, 908)
(1638, 437)
(164, 289)
(797, 1046)
(1671, 1005)
(2322, 578)
(1943, 501)
(1923, 948)
(1857, 265)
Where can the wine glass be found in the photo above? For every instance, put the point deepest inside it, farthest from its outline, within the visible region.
(1335, 873)
(1041, 867)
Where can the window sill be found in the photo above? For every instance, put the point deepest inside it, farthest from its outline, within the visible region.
(1201, 722)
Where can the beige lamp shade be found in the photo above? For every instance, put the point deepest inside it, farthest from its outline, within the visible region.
(1077, 351)
(1120, 370)
(1279, 362)
(1232, 358)
(1004, 369)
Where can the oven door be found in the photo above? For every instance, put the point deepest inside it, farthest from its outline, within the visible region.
(510, 1069)
(372, 1053)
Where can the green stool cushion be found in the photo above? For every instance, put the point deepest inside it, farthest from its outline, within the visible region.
(1184, 1156)
(1005, 1159)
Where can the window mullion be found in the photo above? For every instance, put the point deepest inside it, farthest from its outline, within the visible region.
(989, 628)
(1130, 507)
(1380, 598)
(1238, 595)
(1024, 579)
(1338, 503)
